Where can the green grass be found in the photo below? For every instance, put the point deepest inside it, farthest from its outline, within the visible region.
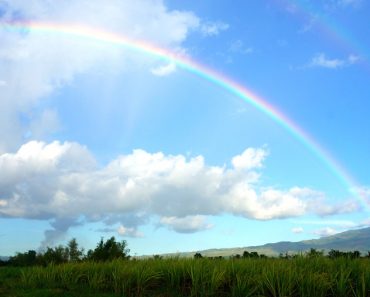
(187, 277)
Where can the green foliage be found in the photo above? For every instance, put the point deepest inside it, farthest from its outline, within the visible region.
(24, 259)
(333, 254)
(254, 255)
(293, 277)
(106, 271)
(109, 250)
(74, 253)
(198, 256)
(313, 253)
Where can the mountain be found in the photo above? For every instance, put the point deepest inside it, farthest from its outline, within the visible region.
(4, 258)
(346, 241)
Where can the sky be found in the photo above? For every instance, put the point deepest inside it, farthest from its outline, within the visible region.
(217, 124)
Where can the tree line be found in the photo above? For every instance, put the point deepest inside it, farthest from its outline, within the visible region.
(312, 253)
(108, 250)
(112, 249)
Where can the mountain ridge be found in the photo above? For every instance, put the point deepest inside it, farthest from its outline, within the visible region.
(351, 240)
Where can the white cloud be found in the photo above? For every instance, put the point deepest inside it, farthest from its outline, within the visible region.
(33, 64)
(213, 28)
(187, 224)
(320, 60)
(128, 232)
(297, 230)
(327, 231)
(62, 182)
(348, 206)
(164, 70)
(251, 158)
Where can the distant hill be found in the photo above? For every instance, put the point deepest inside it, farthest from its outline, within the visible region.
(4, 258)
(346, 241)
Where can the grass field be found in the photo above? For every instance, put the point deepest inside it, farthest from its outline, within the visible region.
(304, 277)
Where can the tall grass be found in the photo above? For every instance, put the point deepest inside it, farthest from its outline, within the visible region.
(318, 277)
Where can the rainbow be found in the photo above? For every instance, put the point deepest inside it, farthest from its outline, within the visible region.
(206, 73)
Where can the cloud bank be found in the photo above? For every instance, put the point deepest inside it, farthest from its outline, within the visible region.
(62, 182)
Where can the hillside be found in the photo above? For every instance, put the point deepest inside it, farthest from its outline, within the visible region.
(346, 241)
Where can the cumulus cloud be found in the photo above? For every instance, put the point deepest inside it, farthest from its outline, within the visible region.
(249, 159)
(297, 230)
(320, 60)
(62, 182)
(34, 65)
(187, 224)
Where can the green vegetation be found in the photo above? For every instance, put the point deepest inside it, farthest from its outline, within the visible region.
(108, 271)
(299, 276)
(104, 251)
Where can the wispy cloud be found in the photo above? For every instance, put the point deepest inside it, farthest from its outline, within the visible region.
(213, 28)
(297, 230)
(238, 46)
(327, 231)
(34, 65)
(187, 224)
(320, 60)
(338, 223)
(364, 193)
(164, 70)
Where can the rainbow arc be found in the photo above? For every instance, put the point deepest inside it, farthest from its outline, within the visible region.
(208, 74)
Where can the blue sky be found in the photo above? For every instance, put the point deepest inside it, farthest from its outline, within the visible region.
(97, 140)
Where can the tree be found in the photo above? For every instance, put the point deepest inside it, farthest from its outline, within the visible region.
(24, 259)
(247, 254)
(198, 256)
(57, 255)
(74, 253)
(109, 250)
(333, 254)
(313, 253)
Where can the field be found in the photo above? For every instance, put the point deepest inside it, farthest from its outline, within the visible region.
(300, 276)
